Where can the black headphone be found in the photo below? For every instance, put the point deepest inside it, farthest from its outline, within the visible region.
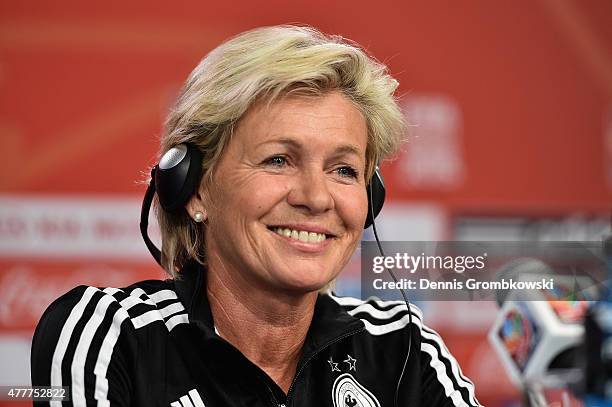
(177, 176)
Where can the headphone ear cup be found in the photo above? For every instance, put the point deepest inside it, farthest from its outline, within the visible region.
(376, 197)
(177, 176)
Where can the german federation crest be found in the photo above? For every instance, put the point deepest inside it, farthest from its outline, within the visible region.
(347, 392)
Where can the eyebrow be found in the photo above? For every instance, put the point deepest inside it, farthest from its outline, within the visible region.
(343, 149)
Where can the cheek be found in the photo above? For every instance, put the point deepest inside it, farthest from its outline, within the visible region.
(352, 206)
(258, 196)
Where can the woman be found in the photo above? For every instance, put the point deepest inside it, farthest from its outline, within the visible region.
(289, 124)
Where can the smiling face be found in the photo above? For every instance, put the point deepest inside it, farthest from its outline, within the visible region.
(287, 204)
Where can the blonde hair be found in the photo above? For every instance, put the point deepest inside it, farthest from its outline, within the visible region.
(266, 63)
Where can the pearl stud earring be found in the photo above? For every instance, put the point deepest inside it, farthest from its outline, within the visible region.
(198, 216)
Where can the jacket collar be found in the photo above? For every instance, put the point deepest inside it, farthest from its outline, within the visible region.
(330, 321)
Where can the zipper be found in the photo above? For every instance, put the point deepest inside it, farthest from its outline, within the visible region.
(321, 349)
(273, 399)
(275, 402)
(256, 371)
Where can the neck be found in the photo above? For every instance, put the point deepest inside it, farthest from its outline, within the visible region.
(268, 328)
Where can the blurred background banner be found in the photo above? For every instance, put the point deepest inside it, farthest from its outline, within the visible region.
(510, 106)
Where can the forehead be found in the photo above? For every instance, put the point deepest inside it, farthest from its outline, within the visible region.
(325, 121)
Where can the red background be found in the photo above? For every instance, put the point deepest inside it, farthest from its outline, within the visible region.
(84, 87)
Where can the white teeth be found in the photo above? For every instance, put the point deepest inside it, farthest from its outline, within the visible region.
(301, 235)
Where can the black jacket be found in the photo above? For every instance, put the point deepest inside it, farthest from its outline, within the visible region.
(154, 344)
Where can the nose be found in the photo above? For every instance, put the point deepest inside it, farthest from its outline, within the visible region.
(310, 192)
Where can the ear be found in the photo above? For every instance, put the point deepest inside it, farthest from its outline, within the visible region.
(196, 205)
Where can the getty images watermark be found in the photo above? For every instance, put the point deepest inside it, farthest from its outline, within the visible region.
(483, 270)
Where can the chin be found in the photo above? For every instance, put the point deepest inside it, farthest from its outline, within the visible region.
(302, 285)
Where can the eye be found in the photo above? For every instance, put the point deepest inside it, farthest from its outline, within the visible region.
(347, 172)
(276, 161)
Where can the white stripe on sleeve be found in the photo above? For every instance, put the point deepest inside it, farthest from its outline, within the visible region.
(104, 357)
(197, 400)
(176, 320)
(64, 339)
(157, 314)
(163, 295)
(80, 354)
(461, 380)
(186, 401)
(443, 378)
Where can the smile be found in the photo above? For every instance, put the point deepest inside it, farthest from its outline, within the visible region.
(301, 235)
